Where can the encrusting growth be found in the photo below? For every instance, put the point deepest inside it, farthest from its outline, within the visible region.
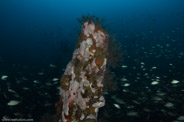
(82, 82)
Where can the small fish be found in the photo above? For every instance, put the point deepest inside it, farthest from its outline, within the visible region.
(13, 102)
(169, 105)
(16, 95)
(25, 88)
(124, 66)
(154, 67)
(10, 90)
(154, 83)
(58, 87)
(36, 81)
(48, 84)
(40, 73)
(175, 81)
(136, 102)
(24, 78)
(4, 77)
(126, 84)
(63, 69)
(123, 79)
(52, 66)
(117, 106)
(106, 92)
(120, 101)
(156, 98)
(55, 79)
(146, 109)
(181, 118)
(160, 94)
(132, 113)
(142, 63)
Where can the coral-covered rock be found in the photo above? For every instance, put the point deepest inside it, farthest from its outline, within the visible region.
(82, 82)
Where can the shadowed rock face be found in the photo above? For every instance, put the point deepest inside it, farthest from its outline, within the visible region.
(82, 82)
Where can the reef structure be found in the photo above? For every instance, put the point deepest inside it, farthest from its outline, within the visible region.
(81, 91)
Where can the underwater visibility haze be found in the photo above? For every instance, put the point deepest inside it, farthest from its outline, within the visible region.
(93, 60)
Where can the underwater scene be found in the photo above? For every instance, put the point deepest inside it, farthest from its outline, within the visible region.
(92, 61)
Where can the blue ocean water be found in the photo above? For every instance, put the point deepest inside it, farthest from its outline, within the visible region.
(37, 39)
